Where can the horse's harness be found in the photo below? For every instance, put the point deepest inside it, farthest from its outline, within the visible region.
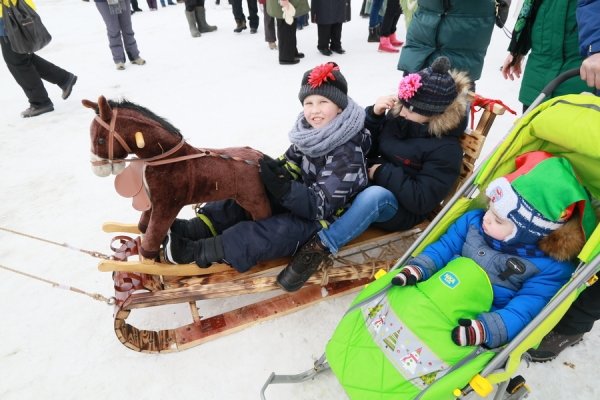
(159, 159)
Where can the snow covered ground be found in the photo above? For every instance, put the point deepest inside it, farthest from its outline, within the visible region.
(220, 90)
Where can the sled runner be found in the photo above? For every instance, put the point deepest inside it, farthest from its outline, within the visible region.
(373, 364)
(142, 282)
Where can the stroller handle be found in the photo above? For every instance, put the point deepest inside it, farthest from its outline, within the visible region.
(551, 86)
(554, 83)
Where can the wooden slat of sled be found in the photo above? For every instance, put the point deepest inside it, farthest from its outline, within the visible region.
(203, 330)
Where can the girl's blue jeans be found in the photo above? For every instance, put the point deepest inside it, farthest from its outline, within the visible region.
(374, 204)
(374, 17)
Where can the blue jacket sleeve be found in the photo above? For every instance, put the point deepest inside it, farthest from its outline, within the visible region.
(436, 255)
(504, 324)
(588, 24)
(338, 181)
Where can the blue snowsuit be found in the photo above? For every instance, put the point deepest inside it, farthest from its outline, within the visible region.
(518, 298)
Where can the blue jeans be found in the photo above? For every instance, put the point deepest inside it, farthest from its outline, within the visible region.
(374, 17)
(374, 204)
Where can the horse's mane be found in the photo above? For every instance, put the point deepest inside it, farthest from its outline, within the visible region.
(123, 103)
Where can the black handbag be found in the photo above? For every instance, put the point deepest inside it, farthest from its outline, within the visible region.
(24, 28)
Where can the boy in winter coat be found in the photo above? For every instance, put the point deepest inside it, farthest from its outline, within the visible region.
(538, 219)
(319, 174)
(415, 161)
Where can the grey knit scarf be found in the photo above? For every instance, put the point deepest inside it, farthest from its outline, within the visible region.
(316, 142)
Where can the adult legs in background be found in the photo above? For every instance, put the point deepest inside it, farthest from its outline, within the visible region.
(270, 36)
(253, 15)
(238, 14)
(336, 38)
(286, 34)
(375, 21)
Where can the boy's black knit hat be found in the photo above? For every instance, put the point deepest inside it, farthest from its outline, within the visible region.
(429, 91)
(325, 80)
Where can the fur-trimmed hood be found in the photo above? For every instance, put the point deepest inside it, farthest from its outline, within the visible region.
(566, 242)
(442, 123)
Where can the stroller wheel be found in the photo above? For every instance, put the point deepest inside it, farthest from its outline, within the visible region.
(515, 384)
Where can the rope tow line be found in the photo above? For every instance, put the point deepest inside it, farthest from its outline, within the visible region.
(92, 253)
(96, 296)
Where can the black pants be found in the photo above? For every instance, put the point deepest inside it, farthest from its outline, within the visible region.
(29, 70)
(392, 14)
(246, 242)
(329, 36)
(582, 314)
(286, 34)
(238, 12)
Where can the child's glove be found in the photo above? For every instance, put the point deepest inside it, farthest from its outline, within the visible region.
(469, 332)
(409, 275)
(275, 177)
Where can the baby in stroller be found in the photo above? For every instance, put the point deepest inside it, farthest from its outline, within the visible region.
(538, 219)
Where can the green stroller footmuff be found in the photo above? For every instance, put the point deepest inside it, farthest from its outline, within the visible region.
(395, 342)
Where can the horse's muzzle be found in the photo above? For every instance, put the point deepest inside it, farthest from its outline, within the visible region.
(103, 167)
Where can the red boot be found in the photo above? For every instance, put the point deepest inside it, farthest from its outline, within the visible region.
(386, 46)
(394, 40)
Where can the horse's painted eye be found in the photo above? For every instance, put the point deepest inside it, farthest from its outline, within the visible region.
(101, 141)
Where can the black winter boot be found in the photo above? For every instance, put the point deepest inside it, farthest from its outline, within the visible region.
(204, 252)
(192, 229)
(373, 34)
(304, 263)
(240, 26)
(203, 26)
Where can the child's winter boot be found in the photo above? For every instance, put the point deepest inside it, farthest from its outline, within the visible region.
(203, 26)
(240, 25)
(386, 46)
(394, 40)
(304, 263)
(191, 19)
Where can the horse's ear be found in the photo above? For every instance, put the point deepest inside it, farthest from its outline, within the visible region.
(104, 109)
(89, 104)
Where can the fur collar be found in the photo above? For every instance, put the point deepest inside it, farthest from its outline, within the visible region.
(564, 243)
(443, 123)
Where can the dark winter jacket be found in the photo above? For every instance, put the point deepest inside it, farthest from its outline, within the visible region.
(328, 183)
(588, 23)
(550, 36)
(518, 298)
(329, 11)
(419, 163)
(458, 29)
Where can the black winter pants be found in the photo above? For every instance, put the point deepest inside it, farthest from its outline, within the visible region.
(286, 34)
(392, 14)
(238, 12)
(582, 314)
(29, 70)
(329, 36)
(247, 242)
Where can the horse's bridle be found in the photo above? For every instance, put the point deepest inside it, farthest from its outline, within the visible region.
(156, 160)
(113, 134)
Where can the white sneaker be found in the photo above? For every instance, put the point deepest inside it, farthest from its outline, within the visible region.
(139, 61)
(120, 66)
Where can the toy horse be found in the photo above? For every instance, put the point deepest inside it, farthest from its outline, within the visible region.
(169, 172)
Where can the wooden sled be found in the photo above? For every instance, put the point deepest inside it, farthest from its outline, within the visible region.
(141, 284)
